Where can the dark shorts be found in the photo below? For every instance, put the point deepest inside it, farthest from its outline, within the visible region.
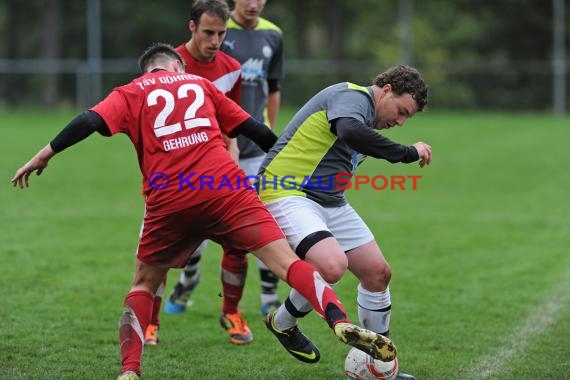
(238, 220)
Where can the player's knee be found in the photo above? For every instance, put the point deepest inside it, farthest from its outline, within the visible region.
(384, 275)
(332, 271)
(378, 279)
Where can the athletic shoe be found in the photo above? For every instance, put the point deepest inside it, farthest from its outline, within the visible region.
(294, 341)
(269, 307)
(151, 335)
(128, 375)
(174, 308)
(375, 345)
(237, 328)
(404, 376)
(179, 299)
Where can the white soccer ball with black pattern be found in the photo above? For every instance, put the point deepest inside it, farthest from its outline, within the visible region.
(359, 365)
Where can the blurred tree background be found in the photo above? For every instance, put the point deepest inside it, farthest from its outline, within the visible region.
(492, 55)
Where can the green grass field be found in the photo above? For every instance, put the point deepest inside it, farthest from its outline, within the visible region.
(479, 252)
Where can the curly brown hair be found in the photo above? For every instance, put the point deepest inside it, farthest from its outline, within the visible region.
(405, 80)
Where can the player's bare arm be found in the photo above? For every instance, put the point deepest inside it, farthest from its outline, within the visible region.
(273, 102)
(78, 129)
(37, 164)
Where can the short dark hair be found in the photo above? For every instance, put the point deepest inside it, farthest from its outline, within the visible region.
(155, 52)
(405, 80)
(218, 7)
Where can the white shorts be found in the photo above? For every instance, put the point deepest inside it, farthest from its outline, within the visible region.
(299, 217)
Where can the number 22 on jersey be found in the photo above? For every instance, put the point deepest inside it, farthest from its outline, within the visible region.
(190, 120)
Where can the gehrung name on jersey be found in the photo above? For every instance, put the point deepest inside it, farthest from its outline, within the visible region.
(184, 141)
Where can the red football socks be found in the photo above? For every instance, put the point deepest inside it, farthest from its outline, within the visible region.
(132, 326)
(303, 277)
(234, 270)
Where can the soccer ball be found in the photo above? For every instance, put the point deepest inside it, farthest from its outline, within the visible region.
(358, 365)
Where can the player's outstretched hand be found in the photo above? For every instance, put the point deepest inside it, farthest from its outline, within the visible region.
(38, 163)
(424, 151)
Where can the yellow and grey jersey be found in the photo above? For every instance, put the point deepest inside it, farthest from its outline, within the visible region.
(307, 158)
(260, 53)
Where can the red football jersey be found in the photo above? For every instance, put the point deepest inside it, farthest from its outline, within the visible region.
(174, 122)
(224, 71)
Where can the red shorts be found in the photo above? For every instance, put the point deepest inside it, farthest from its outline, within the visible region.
(238, 220)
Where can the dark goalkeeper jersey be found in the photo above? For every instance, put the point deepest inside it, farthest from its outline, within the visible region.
(260, 53)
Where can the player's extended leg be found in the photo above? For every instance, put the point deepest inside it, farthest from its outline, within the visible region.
(374, 305)
(233, 274)
(322, 251)
(137, 314)
(374, 301)
(179, 298)
(302, 276)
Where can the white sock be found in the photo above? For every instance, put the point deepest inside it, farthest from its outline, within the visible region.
(285, 320)
(190, 274)
(374, 309)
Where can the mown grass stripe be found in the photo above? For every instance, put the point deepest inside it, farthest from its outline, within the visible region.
(542, 317)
